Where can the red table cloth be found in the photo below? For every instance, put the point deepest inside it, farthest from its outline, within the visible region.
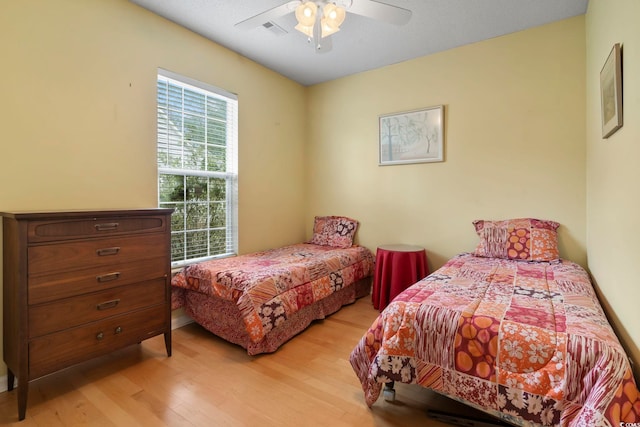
(397, 268)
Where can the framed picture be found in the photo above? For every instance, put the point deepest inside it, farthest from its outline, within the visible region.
(611, 92)
(412, 136)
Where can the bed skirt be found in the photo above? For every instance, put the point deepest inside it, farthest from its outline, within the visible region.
(223, 318)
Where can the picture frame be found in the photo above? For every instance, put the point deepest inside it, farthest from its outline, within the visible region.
(412, 136)
(611, 92)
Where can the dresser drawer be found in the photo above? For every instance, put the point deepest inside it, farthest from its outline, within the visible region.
(49, 230)
(62, 349)
(66, 284)
(47, 259)
(71, 312)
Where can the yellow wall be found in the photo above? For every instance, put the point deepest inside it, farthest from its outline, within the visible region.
(78, 111)
(613, 205)
(514, 143)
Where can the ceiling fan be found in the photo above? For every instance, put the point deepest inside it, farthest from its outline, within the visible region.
(318, 19)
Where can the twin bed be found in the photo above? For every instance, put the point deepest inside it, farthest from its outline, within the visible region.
(261, 300)
(512, 329)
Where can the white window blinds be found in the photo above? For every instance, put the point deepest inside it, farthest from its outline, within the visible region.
(197, 130)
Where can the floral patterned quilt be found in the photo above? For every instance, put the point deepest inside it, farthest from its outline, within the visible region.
(527, 342)
(270, 286)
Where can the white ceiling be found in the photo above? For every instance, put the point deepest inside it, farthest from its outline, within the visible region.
(363, 43)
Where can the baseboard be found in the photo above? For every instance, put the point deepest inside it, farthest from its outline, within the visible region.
(3, 384)
(179, 319)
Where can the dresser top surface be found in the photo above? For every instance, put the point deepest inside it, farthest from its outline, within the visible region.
(40, 215)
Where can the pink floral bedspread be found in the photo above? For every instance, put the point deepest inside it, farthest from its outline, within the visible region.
(527, 342)
(270, 286)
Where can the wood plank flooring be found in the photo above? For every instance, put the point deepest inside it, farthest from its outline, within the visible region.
(209, 382)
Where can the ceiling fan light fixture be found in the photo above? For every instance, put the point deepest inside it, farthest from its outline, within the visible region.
(305, 29)
(306, 13)
(327, 30)
(328, 19)
(332, 17)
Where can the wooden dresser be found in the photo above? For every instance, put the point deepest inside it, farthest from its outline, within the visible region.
(78, 285)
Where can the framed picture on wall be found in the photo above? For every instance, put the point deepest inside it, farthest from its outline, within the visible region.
(412, 136)
(611, 92)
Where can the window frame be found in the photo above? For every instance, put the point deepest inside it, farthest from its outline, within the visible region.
(230, 175)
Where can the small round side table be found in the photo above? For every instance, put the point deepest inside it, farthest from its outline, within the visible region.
(397, 267)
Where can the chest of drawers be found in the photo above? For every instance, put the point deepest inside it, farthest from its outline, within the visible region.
(78, 285)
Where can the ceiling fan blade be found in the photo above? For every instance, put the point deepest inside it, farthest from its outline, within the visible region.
(381, 11)
(268, 15)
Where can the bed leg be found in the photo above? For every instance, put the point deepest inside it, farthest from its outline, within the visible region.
(389, 393)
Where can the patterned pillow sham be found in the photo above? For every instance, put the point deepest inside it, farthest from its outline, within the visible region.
(335, 231)
(526, 239)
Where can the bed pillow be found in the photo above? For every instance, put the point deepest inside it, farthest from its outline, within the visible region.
(526, 239)
(335, 231)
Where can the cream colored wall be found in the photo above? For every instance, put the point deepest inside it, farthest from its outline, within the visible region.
(78, 91)
(613, 205)
(514, 131)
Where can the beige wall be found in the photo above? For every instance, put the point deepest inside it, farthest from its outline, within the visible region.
(613, 205)
(77, 110)
(78, 89)
(515, 133)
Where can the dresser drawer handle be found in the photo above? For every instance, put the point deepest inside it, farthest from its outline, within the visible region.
(108, 304)
(107, 226)
(108, 277)
(108, 251)
(118, 330)
(100, 336)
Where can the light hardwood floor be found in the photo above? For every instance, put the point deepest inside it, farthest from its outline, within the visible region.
(209, 382)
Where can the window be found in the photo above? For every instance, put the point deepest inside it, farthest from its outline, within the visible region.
(197, 167)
